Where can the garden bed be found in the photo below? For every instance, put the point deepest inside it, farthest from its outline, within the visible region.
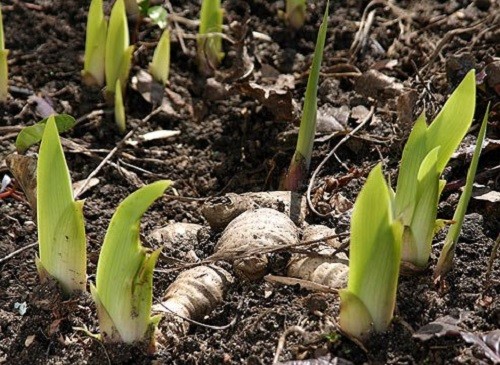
(228, 141)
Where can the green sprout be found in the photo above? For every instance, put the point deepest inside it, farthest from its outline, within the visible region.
(160, 65)
(30, 135)
(301, 160)
(124, 279)
(209, 39)
(445, 261)
(61, 228)
(295, 13)
(95, 45)
(426, 153)
(120, 118)
(4, 72)
(118, 57)
(375, 251)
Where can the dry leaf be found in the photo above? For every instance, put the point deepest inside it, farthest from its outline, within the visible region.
(278, 101)
(492, 196)
(378, 86)
(78, 185)
(23, 168)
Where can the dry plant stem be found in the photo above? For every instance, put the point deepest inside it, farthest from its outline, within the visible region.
(104, 161)
(282, 340)
(305, 284)
(330, 154)
(238, 255)
(490, 261)
(177, 27)
(114, 150)
(446, 40)
(18, 251)
(367, 20)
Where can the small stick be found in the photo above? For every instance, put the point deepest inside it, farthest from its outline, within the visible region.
(491, 260)
(236, 255)
(330, 154)
(114, 150)
(103, 162)
(14, 253)
(446, 40)
(217, 328)
(282, 340)
(177, 27)
(304, 284)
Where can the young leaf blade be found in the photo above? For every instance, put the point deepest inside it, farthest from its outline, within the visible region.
(124, 270)
(417, 244)
(4, 75)
(117, 42)
(209, 44)
(2, 39)
(160, 65)
(375, 252)
(120, 118)
(33, 134)
(301, 160)
(61, 229)
(445, 261)
(413, 154)
(95, 45)
(453, 121)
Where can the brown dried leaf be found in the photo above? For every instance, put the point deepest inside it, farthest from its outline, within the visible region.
(488, 342)
(78, 184)
(23, 168)
(327, 123)
(152, 91)
(279, 101)
(378, 86)
(443, 326)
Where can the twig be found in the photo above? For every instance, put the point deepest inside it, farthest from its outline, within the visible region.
(282, 340)
(330, 154)
(14, 253)
(92, 114)
(446, 40)
(237, 254)
(114, 150)
(217, 328)
(417, 71)
(491, 260)
(104, 161)
(10, 129)
(177, 27)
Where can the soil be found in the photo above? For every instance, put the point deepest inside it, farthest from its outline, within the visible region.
(231, 142)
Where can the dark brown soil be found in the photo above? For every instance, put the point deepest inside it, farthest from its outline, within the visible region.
(232, 143)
